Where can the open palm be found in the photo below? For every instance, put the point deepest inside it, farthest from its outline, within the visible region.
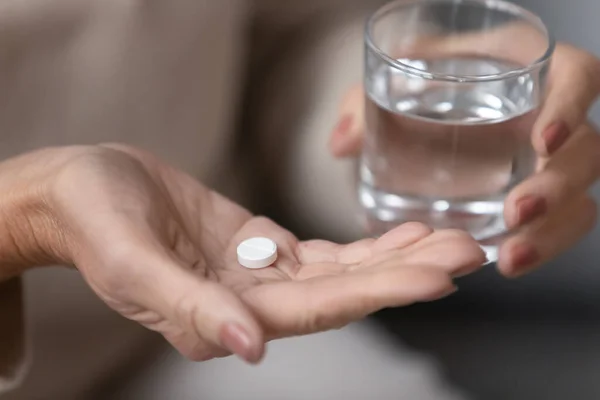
(160, 248)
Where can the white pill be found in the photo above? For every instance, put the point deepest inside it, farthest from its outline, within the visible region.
(257, 252)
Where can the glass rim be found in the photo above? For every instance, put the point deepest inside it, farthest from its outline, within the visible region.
(500, 5)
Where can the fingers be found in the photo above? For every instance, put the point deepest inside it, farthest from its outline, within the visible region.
(574, 85)
(545, 240)
(453, 251)
(320, 257)
(570, 172)
(319, 304)
(346, 137)
(319, 251)
(206, 311)
(551, 209)
(141, 279)
(401, 237)
(410, 264)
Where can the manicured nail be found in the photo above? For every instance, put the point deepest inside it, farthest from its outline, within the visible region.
(555, 136)
(523, 257)
(339, 139)
(235, 339)
(529, 208)
(343, 126)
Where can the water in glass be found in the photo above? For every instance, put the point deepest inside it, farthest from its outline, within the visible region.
(445, 155)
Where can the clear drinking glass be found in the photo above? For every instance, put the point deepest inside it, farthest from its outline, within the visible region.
(452, 92)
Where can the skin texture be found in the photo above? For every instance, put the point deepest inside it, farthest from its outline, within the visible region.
(160, 248)
(551, 211)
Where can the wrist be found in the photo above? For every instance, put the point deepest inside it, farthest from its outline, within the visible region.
(30, 235)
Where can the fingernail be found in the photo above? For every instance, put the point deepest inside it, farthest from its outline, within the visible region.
(339, 139)
(343, 126)
(235, 339)
(555, 136)
(530, 208)
(523, 257)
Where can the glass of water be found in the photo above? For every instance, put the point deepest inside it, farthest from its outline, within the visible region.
(452, 92)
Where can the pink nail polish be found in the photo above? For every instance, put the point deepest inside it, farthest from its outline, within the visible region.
(235, 339)
(529, 208)
(555, 136)
(523, 256)
(343, 126)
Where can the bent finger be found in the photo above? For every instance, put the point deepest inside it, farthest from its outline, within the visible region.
(541, 242)
(211, 317)
(314, 305)
(318, 251)
(570, 172)
(574, 85)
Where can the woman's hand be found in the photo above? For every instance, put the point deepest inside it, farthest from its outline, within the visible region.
(160, 248)
(552, 210)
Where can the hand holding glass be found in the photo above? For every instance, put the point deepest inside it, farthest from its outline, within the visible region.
(452, 92)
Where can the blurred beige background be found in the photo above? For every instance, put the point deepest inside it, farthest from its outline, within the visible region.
(535, 338)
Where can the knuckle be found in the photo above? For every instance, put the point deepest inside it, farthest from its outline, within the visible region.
(319, 319)
(186, 313)
(577, 59)
(314, 321)
(553, 184)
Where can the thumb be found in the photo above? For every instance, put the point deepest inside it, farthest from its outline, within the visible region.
(208, 319)
(346, 138)
(574, 86)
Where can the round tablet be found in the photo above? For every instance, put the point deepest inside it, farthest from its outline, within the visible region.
(257, 252)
